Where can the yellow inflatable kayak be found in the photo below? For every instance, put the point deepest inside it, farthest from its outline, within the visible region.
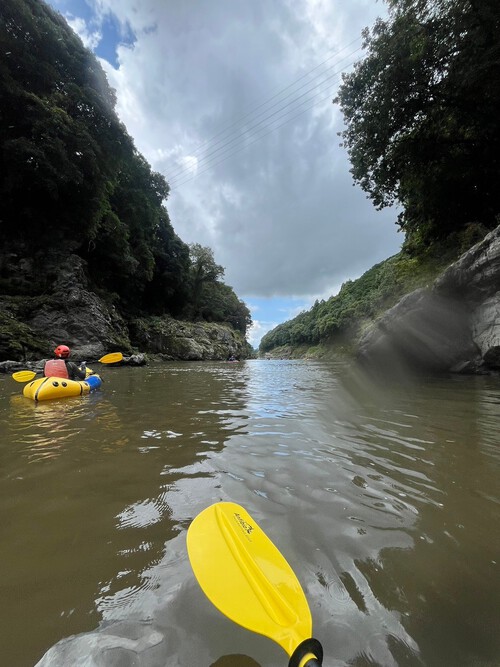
(45, 389)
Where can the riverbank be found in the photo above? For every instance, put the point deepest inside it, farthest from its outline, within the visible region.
(448, 323)
(73, 313)
(330, 351)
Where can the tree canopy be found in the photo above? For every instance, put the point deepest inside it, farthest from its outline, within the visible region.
(422, 115)
(211, 299)
(72, 180)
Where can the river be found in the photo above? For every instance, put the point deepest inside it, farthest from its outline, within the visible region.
(385, 500)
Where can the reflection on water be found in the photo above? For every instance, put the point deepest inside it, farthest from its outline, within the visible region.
(47, 429)
(384, 500)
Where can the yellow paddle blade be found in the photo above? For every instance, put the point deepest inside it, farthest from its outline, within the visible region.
(245, 576)
(111, 358)
(24, 376)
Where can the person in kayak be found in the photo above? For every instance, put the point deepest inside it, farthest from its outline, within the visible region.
(61, 367)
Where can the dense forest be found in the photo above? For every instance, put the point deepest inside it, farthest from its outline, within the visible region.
(422, 131)
(72, 180)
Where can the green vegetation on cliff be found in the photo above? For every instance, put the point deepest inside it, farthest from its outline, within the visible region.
(341, 318)
(73, 183)
(423, 132)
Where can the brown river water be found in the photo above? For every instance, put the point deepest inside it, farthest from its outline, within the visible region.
(384, 500)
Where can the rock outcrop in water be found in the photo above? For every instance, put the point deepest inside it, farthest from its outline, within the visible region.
(452, 325)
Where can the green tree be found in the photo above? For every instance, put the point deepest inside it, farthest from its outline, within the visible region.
(167, 291)
(72, 181)
(219, 303)
(60, 140)
(210, 299)
(203, 270)
(422, 114)
(342, 316)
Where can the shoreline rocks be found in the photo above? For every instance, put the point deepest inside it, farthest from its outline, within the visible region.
(70, 312)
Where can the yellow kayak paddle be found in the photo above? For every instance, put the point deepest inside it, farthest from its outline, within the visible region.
(27, 376)
(111, 358)
(24, 376)
(245, 576)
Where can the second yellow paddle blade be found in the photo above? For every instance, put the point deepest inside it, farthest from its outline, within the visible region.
(245, 576)
(111, 358)
(24, 376)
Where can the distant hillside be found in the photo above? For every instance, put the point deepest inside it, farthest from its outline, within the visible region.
(340, 320)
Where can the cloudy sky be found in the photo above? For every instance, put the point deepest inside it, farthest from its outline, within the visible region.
(231, 101)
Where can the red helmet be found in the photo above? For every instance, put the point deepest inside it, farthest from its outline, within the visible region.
(62, 351)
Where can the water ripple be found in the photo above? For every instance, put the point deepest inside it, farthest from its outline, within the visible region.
(384, 500)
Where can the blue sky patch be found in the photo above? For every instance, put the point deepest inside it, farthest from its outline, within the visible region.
(112, 36)
(112, 32)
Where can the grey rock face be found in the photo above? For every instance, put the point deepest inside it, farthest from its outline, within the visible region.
(476, 275)
(189, 341)
(486, 330)
(78, 317)
(452, 326)
(72, 314)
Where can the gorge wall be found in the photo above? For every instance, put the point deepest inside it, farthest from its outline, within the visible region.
(69, 312)
(451, 325)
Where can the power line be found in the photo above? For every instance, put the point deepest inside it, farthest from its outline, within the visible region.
(180, 171)
(185, 169)
(266, 102)
(182, 182)
(275, 95)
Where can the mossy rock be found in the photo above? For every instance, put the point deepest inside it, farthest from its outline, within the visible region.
(18, 340)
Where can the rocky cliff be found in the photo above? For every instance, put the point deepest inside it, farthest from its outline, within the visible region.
(451, 325)
(190, 341)
(66, 310)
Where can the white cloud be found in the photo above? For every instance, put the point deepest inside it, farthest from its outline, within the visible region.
(89, 36)
(190, 164)
(258, 330)
(214, 95)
